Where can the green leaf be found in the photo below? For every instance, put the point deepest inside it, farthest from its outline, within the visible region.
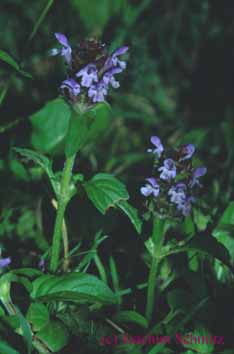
(5, 286)
(34, 156)
(26, 331)
(19, 170)
(50, 126)
(77, 133)
(100, 116)
(54, 335)
(6, 349)
(43, 162)
(224, 232)
(86, 127)
(4, 56)
(38, 316)
(132, 213)
(228, 215)
(77, 287)
(131, 317)
(28, 272)
(203, 347)
(105, 191)
(204, 244)
(2, 313)
(188, 226)
(201, 220)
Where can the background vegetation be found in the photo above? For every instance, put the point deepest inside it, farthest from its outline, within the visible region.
(178, 85)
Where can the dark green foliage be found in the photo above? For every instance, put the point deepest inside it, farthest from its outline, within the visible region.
(178, 85)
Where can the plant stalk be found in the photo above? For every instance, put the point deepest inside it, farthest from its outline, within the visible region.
(158, 239)
(62, 205)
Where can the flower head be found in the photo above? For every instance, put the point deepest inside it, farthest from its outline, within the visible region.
(168, 170)
(65, 51)
(197, 173)
(91, 70)
(70, 89)
(109, 78)
(98, 92)
(186, 152)
(175, 182)
(150, 188)
(158, 149)
(4, 262)
(186, 206)
(89, 75)
(113, 60)
(177, 193)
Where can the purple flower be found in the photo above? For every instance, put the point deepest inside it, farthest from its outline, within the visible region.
(151, 187)
(72, 86)
(98, 92)
(91, 70)
(65, 51)
(4, 262)
(177, 193)
(168, 170)
(186, 206)
(158, 146)
(109, 78)
(197, 173)
(113, 60)
(187, 152)
(89, 75)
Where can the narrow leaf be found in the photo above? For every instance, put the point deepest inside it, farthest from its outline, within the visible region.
(43, 162)
(26, 331)
(4, 56)
(6, 349)
(131, 317)
(204, 244)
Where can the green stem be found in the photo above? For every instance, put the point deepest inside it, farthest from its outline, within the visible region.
(62, 204)
(151, 288)
(65, 247)
(158, 239)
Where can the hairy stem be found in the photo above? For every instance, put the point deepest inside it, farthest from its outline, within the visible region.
(62, 205)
